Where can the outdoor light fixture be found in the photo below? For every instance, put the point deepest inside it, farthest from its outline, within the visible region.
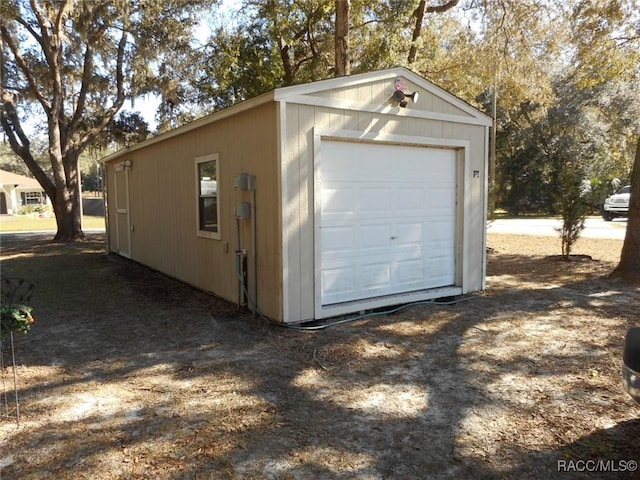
(399, 96)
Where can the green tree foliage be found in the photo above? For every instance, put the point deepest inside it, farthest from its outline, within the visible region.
(239, 65)
(278, 43)
(572, 206)
(76, 63)
(562, 77)
(124, 130)
(11, 162)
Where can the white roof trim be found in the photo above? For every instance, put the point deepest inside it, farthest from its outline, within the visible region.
(342, 104)
(298, 94)
(289, 93)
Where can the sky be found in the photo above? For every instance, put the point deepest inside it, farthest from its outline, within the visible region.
(147, 105)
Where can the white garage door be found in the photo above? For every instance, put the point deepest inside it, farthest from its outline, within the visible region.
(387, 220)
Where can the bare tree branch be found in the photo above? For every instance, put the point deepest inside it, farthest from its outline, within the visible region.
(34, 34)
(24, 68)
(92, 133)
(442, 8)
(87, 72)
(419, 14)
(20, 142)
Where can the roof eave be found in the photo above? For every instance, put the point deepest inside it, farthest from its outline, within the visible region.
(285, 93)
(200, 122)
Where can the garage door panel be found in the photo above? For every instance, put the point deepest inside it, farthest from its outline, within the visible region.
(374, 239)
(337, 198)
(441, 231)
(335, 169)
(409, 273)
(338, 282)
(440, 203)
(439, 272)
(375, 200)
(369, 168)
(409, 234)
(375, 276)
(339, 241)
(388, 226)
(410, 199)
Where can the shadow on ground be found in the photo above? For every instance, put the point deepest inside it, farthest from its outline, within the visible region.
(130, 374)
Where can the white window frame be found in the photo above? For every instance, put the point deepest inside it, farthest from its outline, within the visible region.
(34, 198)
(214, 157)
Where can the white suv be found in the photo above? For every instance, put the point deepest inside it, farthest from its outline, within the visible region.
(617, 205)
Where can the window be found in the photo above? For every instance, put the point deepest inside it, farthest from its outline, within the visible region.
(207, 196)
(33, 198)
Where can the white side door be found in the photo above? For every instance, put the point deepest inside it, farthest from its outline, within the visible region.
(123, 219)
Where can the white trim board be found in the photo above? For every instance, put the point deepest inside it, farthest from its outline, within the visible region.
(286, 93)
(387, 109)
(463, 146)
(378, 302)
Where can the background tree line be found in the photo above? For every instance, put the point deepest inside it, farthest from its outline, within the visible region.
(560, 78)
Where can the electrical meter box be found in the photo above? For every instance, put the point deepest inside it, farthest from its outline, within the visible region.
(244, 181)
(242, 210)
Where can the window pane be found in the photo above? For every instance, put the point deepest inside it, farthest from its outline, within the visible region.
(209, 214)
(32, 198)
(208, 177)
(208, 196)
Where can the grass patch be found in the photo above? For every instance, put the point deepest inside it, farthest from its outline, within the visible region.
(30, 223)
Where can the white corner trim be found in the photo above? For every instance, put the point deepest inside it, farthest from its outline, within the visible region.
(317, 239)
(282, 155)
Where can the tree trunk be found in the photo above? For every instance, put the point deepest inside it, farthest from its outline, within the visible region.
(417, 29)
(342, 38)
(69, 211)
(629, 266)
(289, 73)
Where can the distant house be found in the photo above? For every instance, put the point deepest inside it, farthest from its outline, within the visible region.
(313, 200)
(17, 191)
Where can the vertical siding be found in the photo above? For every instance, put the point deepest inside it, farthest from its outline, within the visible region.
(163, 193)
(164, 214)
(298, 165)
(299, 161)
(291, 229)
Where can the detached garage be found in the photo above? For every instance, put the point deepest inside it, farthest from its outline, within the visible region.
(314, 200)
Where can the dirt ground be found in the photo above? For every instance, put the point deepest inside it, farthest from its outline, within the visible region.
(128, 374)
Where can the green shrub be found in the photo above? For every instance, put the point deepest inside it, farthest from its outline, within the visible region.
(573, 207)
(15, 318)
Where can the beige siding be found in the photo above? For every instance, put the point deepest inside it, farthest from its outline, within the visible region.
(298, 165)
(299, 162)
(162, 184)
(275, 142)
(380, 92)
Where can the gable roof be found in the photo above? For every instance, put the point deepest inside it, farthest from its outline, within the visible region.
(291, 93)
(18, 181)
(288, 93)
